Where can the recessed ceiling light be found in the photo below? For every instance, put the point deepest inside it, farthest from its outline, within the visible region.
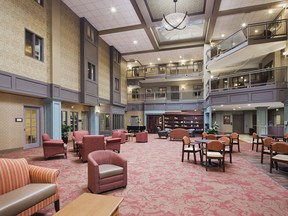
(222, 35)
(239, 107)
(222, 105)
(113, 9)
(256, 31)
(136, 61)
(270, 11)
(158, 59)
(211, 76)
(249, 104)
(150, 63)
(214, 109)
(234, 108)
(135, 42)
(244, 25)
(170, 62)
(180, 56)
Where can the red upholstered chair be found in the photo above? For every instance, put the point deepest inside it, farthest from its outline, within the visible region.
(90, 143)
(53, 147)
(78, 138)
(142, 136)
(106, 171)
(119, 134)
(113, 144)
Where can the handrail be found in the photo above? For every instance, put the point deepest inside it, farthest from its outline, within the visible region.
(245, 32)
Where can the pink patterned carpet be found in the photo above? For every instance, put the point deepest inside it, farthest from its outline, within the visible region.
(160, 184)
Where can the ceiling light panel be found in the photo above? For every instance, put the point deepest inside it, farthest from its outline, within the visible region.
(167, 56)
(98, 13)
(122, 41)
(228, 4)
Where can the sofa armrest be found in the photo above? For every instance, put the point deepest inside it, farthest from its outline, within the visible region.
(43, 175)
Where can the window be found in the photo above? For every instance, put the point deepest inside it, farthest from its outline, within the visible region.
(117, 87)
(104, 122)
(33, 45)
(90, 33)
(135, 93)
(91, 71)
(64, 118)
(74, 121)
(118, 121)
(162, 92)
(40, 2)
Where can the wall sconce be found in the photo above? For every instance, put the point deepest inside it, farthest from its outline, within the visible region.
(97, 109)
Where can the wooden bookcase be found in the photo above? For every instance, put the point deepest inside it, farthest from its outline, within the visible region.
(186, 120)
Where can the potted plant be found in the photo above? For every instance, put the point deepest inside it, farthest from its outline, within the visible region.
(65, 130)
(213, 129)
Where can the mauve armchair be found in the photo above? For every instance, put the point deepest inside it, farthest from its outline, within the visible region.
(106, 171)
(113, 144)
(119, 134)
(78, 138)
(142, 136)
(52, 147)
(90, 143)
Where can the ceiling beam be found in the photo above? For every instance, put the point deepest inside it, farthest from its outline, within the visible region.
(122, 29)
(250, 8)
(212, 21)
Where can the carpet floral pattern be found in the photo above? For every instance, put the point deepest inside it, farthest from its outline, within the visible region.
(160, 184)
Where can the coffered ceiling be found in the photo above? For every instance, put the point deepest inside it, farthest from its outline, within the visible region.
(135, 29)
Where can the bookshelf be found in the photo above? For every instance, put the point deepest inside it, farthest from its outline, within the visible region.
(186, 120)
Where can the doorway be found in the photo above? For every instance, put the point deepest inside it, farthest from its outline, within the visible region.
(153, 121)
(31, 127)
(238, 123)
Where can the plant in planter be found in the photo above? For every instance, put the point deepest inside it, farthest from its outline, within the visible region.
(214, 129)
(65, 131)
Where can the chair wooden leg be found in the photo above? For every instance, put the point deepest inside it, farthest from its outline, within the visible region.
(271, 162)
(194, 153)
(182, 157)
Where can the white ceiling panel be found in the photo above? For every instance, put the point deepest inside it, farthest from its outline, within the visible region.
(98, 13)
(163, 57)
(229, 4)
(123, 41)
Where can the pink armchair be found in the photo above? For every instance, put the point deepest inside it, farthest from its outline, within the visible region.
(91, 143)
(113, 144)
(142, 136)
(119, 134)
(106, 171)
(25, 188)
(53, 147)
(78, 138)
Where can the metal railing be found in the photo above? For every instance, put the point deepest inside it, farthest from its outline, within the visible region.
(166, 96)
(256, 31)
(262, 77)
(164, 71)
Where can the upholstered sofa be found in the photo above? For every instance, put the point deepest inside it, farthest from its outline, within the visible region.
(52, 147)
(178, 134)
(106, 171)
(25, 188)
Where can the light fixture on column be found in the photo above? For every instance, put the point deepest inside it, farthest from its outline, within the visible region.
(175, 20)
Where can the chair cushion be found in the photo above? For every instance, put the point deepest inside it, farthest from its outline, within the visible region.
(16, 201)
(107, 170)
(191, 148)
(281, 157)
(214, 154)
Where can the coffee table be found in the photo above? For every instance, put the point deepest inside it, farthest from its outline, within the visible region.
(92, 204)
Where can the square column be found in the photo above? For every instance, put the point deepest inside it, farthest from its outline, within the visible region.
(52, 118)
(262, 120)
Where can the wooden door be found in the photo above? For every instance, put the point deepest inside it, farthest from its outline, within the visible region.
(238, 123)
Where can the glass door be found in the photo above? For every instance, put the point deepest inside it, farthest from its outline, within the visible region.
(32, 127)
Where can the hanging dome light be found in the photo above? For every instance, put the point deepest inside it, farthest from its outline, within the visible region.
(175, 20)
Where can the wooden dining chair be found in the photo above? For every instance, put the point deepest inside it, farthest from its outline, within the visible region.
(211, 137)
(267, 141)
(278, 153)
(215, 149)
(256, 140)
(190, 147)
(234, 139)
(228, 146)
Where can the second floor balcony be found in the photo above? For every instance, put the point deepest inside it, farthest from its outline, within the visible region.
(165, 97)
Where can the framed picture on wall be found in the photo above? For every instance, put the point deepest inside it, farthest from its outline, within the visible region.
(226, 119)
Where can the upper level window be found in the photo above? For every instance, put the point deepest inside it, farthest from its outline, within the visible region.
(33, 45)
(91, 71)
(117, 87)
(90, 33)
(40, 2)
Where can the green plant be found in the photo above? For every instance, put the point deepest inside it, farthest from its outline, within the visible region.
(213, 129)
(65, 129)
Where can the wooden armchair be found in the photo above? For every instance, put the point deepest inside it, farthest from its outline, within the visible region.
(256, 140)
(215, 149)
(267, 141)
(234, 139)
(278, 153)
(188, 147)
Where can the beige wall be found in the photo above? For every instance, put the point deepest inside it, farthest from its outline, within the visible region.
(11, 107)
(15, 16)
(104, 70)
(69, 49)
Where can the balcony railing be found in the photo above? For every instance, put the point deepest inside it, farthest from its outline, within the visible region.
(166, 96)
(266, 30)
(262, 77)
(165, 71)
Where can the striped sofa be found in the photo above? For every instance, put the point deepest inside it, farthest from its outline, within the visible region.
(25, 188)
